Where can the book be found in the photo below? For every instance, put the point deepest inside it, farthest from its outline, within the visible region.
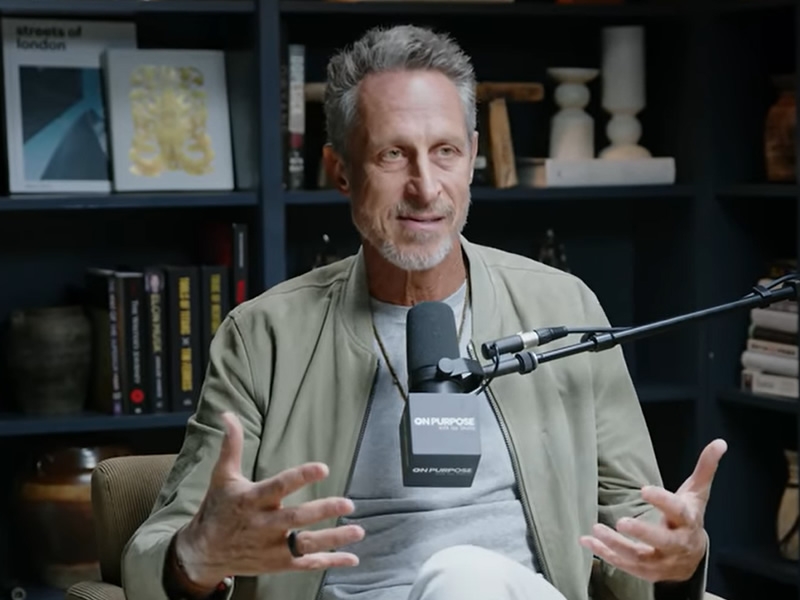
(54, 106)
(169, 122)
(769, 384)
(156, 346)
(103, 292)
(215, 302)
(133, 367)
(183, 335)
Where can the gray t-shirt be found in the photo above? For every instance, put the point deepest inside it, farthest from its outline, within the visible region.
(405, 526)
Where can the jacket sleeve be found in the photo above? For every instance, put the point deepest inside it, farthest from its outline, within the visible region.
(626, 459)
(230, 384)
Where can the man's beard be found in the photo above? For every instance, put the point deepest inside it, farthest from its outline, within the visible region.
(416, 259)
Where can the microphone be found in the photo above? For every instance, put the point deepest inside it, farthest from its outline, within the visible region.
(440, 440)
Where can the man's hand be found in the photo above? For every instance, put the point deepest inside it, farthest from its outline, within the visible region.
(673, 549)
(241, 527)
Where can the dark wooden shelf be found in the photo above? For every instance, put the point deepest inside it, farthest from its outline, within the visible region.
(122, 7)
(727, 6)
(763, 562)
(759, 190)
(769, 403)
(516, 8)
(14, 425)
(116, 201)
(650, 392)
(520, 194)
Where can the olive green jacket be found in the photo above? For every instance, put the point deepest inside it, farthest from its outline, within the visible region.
(297, 365)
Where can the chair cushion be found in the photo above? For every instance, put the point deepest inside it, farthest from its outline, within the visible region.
(94, 590)
(124, 490)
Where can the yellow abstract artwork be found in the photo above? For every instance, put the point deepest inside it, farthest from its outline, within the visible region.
(169, 113)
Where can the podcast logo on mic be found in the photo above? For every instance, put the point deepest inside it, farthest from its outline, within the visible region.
(447, 423)
(443, 470)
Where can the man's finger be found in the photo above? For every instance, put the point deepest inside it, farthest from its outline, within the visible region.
(628, 549)
(324, 560)
(269, 492)
(325, 540)
(703, 475)
(229, 462)
(653, 535)
(676, 511)
(601, 550)
(311, 512)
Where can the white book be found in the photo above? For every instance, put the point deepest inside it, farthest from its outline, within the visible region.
(778, 320)
(55, 114)
(169, 120)
(769, 384)
(769, 363)
(773, 348)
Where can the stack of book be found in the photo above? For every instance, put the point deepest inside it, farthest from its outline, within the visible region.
(770, 358)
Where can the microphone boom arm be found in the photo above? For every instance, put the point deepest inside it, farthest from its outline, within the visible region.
(525, 362)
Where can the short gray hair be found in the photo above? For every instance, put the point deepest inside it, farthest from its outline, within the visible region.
(403, 47)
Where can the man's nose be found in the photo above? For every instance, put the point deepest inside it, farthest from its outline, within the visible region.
(424, 185)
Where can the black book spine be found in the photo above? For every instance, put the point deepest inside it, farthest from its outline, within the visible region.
(214, 286)
(240, 290)
(184, 336)
(101, 288)
(156, 341)
(136, 392)
(122, 312)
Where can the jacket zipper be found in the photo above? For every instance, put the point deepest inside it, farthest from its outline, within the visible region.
(353, 462)
(537, 541)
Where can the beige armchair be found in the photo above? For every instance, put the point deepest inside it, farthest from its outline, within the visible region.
(124, 490)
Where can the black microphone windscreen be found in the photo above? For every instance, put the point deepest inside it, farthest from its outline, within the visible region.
(430, 335)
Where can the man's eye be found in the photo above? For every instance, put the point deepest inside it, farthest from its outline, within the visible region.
(392, 154)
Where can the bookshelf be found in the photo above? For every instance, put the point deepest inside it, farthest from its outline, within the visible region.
(649, 252)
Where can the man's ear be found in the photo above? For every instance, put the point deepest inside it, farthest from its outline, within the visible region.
(335, 169)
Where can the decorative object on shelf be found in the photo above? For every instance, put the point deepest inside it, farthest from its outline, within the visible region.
(624, 161)
(49, 359)
(779, 132)
(623, 95)
(326, 254)
(787, 524)
(551, 252)
(572, 128)
(54, 504)
(169, 121)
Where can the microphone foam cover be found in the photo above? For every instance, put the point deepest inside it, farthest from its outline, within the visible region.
(430, 335)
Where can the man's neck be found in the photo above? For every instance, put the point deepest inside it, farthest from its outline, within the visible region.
(389, 283)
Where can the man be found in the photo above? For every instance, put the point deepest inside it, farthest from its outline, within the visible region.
(289, 479)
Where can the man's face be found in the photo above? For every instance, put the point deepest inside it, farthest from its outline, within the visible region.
(411, 167)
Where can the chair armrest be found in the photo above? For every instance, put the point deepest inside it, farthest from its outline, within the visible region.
(94, 590)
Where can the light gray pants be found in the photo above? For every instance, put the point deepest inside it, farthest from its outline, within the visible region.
(474, 573)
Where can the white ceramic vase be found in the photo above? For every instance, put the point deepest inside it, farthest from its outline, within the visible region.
(623, 96)
(572, 128)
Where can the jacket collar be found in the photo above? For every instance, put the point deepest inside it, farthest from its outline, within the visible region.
(355, 298)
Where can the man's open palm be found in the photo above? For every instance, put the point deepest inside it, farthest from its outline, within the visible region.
(672, 549)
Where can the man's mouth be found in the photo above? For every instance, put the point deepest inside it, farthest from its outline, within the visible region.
(421, 219)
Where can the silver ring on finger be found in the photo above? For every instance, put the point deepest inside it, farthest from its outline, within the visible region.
(291, 541)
